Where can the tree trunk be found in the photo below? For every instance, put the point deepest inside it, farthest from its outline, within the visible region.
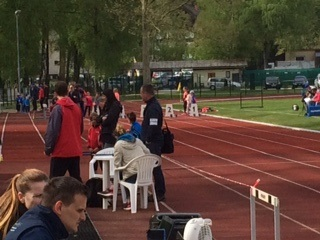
(62, 67)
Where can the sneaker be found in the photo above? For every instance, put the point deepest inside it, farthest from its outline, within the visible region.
(160, 199)
(127, 207)
(108, 193)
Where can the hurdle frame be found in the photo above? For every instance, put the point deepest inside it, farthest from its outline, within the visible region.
(268, 198)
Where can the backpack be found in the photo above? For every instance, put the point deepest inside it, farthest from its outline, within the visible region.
(94, 186)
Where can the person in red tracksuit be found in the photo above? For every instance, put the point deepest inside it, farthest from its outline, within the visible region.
(94, 145)
(63, 135)
(41, 96)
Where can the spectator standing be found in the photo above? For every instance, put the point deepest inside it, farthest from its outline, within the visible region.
(184, 98)
(109, 118)
(89, 103)
(94, 131)
(62, 208)
(18, 102)
(126, 148)
(151, 134)
(63, 135)
(34, 94)
(41, 96)
(23, 192)
(135, 128)
(116, 94)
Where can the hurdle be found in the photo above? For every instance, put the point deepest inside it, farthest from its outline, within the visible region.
(268, 198)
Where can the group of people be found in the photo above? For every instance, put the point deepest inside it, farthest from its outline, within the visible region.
(65, 128)
(311, 96)
(188, 98)
(24, 101)
(37, 206)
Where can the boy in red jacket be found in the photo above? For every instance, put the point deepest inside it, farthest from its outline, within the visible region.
(94, 144)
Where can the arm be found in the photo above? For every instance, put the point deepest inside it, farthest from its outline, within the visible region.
(53, 129)
(118, 154)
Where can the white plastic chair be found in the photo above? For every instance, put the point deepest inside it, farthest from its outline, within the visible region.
(100, 156)
(144, 165)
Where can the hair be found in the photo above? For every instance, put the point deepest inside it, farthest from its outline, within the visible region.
(132, 117)
(94, 119)
(61, 88)
(120, 130)
(148, 88)
(111, 98)
(9, 201)
(62, 189)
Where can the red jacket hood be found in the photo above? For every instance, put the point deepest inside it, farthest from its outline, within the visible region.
(67, 102)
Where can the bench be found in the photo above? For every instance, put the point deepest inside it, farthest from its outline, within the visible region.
(313, 111)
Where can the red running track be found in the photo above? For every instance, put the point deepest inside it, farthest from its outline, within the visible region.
(215, 162)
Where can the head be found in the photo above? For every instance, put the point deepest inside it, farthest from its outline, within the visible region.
(71, 86)
(185, 89)
(146, 92)
(67, 197)
(25, 188)
(192, 92)
(61, 89)
(132, 117)
(115, 90)
(93, 119)
(109, 94)
(102, 101)
(120, 130)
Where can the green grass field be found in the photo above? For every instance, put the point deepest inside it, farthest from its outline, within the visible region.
(274, 111)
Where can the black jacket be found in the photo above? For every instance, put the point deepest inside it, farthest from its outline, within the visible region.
(152, 122)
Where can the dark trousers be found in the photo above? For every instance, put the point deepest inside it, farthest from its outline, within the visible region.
(131, 179)
(159, 182)
(34, 104)
(59, 166)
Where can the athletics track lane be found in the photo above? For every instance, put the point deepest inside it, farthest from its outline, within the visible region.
(208, 153)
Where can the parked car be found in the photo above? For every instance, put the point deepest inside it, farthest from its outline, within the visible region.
(300, 81)
(218, 83)
(272, 82)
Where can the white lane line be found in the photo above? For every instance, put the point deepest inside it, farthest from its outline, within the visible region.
(249, 148)
(35, 127)
(251, 168)
(257, 138)
(2, 136)
(195, 171)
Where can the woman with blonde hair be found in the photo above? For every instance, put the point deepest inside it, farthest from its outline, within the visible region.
(24, 192)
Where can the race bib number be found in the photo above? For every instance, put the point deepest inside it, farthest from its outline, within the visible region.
(153, 121)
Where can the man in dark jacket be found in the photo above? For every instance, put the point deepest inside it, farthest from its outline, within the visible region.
(63, 135)
(151, 134)
(62, 208)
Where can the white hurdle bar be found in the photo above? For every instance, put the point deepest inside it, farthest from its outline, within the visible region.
(268, 198)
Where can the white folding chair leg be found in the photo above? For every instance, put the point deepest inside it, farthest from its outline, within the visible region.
(133, 198)
(155, 198)
(123, 194)
(115, 191)
(91, 168)
(144, 197)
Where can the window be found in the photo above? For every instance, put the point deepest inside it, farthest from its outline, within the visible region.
(299, 58)
(227, 74)
(211, 75)
(56, 62)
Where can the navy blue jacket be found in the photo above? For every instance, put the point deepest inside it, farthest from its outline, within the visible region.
(151, 131)
(38, 223)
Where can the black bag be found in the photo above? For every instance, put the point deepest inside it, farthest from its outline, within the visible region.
(168, 146)
(94, 186)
